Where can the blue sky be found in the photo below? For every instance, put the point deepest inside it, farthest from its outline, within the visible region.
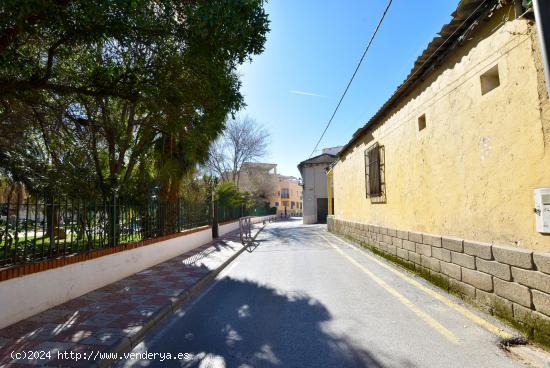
(311, 52)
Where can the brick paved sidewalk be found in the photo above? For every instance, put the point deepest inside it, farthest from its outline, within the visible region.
(115, 317)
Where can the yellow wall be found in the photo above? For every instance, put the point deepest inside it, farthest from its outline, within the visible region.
(471, 172)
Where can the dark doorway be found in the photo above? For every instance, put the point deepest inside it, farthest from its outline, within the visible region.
(322, 210)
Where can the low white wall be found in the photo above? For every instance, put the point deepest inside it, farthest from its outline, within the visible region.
(25, 296)
(232, 226)
(227, 228)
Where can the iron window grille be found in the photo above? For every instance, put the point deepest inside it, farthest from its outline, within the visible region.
(374, 174)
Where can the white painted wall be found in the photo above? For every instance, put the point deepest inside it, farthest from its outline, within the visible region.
(25, 296)
(227, 228)
(232, 226)
(315, 186)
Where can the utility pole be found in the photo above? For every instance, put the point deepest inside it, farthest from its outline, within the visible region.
(542, 18)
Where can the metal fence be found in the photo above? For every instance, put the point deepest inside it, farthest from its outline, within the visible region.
(262, 211)
(228, 213)
(34, 230)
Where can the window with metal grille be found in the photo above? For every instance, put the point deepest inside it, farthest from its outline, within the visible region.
(374, 171)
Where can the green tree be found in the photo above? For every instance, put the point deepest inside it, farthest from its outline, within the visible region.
(130, 91)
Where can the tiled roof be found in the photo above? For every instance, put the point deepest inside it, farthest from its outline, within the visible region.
(324, 158)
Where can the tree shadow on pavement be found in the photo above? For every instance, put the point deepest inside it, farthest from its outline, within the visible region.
(240, 323)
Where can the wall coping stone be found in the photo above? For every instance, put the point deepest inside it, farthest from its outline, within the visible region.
(452, 243)
(478, 249)
(513, 256)
(415, 236)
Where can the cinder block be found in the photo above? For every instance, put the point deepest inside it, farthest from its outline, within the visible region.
(409, 245)
(431, 263)
(478, 249)
(477, 279)
(451, 270)
(484, 298)
(541, 301)
(415, 257)
(402, 253)
(415, 237)
(497, 269)
(533, 279)
(383, 230)
(452, 243)
(513, 256)
(463, 260)
(387, 239)
(433, 240)
(542, 261)
(392, 249)
(523, 315)
(462, 288)
(513, 292)
(403, 234)
(441, 254)
(392, 232)
(398, 242)
(497, 305)
(424, 249)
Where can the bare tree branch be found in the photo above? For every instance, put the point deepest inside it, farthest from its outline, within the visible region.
(244, 140)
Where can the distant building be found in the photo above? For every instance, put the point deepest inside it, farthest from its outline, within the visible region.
(314, 181)
(288, 197)
(282, 192)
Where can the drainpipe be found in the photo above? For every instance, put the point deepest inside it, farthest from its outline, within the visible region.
(542, 18)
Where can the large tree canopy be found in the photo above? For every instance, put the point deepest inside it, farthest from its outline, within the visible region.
(130, 92)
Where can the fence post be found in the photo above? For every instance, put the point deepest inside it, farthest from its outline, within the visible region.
(115, 220)
(215, 219)
(179, 214)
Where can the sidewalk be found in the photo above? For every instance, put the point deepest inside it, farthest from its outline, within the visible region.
(116, 317)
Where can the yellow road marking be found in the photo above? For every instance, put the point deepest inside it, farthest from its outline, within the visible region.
(420, 313)
(465, 312)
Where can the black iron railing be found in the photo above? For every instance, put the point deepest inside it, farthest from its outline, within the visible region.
(34, 229)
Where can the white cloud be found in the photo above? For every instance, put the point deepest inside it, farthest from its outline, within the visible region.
(294, 92)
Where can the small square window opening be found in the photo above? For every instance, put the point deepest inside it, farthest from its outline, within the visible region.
(489, 80)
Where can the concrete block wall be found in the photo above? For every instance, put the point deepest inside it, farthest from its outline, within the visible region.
(510, 283)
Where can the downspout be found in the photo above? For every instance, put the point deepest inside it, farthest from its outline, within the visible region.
(542, 18)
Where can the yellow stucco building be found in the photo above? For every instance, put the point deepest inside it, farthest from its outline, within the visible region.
(445, 178)
(463, 142)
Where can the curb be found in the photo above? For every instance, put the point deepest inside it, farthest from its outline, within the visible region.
(129, 342)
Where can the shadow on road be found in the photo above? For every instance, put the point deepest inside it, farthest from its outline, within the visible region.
(240, 323)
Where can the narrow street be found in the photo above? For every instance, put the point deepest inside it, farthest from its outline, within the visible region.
(301, 297)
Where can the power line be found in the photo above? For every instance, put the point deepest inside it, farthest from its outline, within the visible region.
(353, 76)
(442, 44)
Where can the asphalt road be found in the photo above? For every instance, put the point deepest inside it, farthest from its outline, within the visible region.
(304, 298)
